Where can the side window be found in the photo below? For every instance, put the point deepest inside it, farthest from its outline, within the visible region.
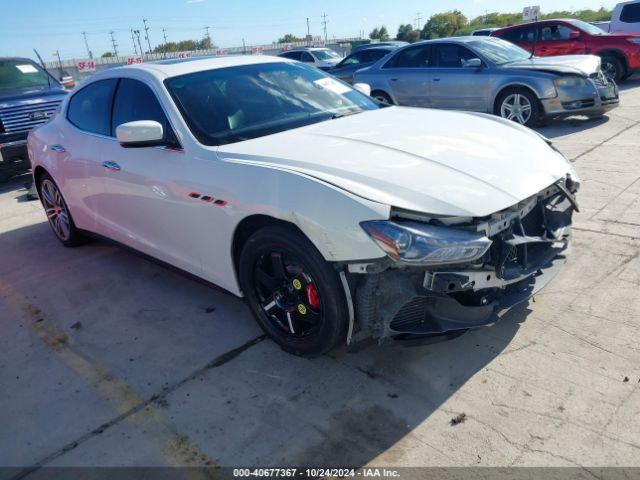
(413, 57)
(523, 34)
(292, 55)
(451, 56)
(376, 55)
(90, 108)
(135, 101)
(354, 59)
(306, 57)
(630, 13)
(555, 33)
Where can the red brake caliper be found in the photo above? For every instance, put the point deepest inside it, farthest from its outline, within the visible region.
(312, 295)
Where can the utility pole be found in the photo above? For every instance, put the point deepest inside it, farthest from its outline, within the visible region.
(324, 26)
(137, 32)
(207, 36)
(86, 44)
(57, 54)
(146, 33)
(308, 33)
(164, 47)
(113, 42)
(244, 47)
(418, 20)
(135, 47)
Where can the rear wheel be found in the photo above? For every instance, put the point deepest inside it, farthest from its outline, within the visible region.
(58, 215)
(382, 97)
(294, 294)
(519, 105)
(613, 68)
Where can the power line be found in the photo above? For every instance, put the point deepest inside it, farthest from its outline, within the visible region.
(113, 42)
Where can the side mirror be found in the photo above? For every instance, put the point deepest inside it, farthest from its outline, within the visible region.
(472, 63)
(141, 133)
(574, 35)
(363, 88)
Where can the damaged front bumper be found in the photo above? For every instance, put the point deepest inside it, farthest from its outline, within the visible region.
(418, 305)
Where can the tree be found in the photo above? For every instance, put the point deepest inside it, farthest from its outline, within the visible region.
(443, 24)
(290, 38)
(406, 33)
(379, 34)
(107, 55)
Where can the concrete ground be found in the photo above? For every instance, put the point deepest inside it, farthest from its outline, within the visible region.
(108, 359)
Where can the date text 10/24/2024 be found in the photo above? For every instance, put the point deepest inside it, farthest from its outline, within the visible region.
(315, 472)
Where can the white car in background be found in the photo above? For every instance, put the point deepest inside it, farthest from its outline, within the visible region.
(322, 58)
(337, 218)
(625, 18)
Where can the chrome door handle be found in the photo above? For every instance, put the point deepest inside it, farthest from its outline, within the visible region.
(111, 166)
(437, 79)
(57, 148)
(394, 79)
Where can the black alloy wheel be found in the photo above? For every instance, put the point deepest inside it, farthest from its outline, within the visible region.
(295, 295)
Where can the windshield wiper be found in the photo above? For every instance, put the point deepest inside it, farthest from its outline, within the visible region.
(344, 114)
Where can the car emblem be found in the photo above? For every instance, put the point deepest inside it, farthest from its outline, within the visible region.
(37, 115)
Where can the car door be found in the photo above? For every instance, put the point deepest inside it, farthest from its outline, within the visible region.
(559, 39)
(455, 86)
(147, 199)
(408, 75)
(86, 134)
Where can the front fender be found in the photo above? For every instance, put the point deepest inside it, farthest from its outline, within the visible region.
(543, 87)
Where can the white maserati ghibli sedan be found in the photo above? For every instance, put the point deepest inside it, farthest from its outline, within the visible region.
(338, 219)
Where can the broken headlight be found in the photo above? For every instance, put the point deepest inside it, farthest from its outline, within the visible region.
(418, 244)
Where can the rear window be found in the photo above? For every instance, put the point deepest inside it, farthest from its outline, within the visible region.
(630, 13)
(90, 108)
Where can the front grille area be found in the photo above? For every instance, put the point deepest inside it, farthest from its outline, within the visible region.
(599, 79)
(23, 118)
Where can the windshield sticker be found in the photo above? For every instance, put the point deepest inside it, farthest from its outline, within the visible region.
(332, 85)
(27, 68)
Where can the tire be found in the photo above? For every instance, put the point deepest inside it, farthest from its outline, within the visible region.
(279, 270)
(529, 112)
(58, 215)
(382, 97)
(613, 68)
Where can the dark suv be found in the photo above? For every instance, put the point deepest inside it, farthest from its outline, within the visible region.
(620, 53)
(29, 96)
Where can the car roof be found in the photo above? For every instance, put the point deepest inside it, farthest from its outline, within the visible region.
(306, 49)
(182, 66)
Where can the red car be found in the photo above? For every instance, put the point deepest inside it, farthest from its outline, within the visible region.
(620, 53)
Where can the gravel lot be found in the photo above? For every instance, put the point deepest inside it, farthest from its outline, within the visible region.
(108, 359)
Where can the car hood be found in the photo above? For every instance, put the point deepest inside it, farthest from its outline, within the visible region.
(431, 161)
(567, 64)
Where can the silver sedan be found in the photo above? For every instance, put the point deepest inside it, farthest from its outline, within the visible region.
(490, 75)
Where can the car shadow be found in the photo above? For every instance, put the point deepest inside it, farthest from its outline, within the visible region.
(562, 127)
(361, 404)
(631, 82)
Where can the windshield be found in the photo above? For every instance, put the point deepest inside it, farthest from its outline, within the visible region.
(499, 51)
(21, 74)
(326, 54)
(587, 27)
(232, 104)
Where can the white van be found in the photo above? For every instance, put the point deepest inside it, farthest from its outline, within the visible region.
(626, 17)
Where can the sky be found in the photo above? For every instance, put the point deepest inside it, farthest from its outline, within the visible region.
(57, 25)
